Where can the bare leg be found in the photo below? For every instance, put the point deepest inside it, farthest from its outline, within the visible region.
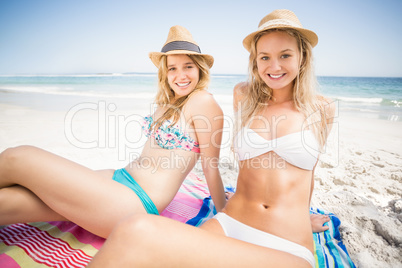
(18, 204)
(77, 193)
(152, 241)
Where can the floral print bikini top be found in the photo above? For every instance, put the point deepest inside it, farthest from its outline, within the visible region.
(170, 137)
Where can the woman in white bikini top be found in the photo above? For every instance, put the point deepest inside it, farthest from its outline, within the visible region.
(283, 126)
(300, 149)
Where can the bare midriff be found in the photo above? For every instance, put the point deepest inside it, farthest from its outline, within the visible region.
(273, 196)
(160, 170)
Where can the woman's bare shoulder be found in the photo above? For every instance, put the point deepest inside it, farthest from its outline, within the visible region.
(240, 88)
(202, 102)
(239, 91)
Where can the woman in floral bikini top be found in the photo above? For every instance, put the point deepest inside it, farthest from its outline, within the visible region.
(170, 137)
(62, 190)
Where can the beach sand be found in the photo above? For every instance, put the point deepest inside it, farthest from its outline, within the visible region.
(360, 180)
(359, 177)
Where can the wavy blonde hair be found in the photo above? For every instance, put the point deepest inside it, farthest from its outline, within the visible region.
(165, 94)
(305, 96)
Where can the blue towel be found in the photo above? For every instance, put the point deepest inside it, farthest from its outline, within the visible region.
(206, 212)
(328, 246)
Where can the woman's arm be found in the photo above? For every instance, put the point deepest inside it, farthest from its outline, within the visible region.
(207, 118)
(317, 221)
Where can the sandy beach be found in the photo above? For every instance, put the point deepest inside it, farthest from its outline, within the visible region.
(360, 182)
(358, 178)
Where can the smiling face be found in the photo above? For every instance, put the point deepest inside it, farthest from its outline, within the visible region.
(183, 74)
(278, 60)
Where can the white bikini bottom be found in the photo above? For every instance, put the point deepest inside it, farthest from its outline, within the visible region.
(241, 231)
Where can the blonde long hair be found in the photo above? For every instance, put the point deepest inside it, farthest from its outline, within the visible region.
(305, 96)
(165, 94)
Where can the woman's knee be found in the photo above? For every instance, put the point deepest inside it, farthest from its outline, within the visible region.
(138, 229)
(11, 160)
(13, 156)
(139, 233)
(134, 235)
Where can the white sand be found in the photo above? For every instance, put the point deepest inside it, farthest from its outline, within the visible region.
(359, 178)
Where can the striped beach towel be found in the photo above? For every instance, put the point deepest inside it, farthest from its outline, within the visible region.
(65, 244)
(328, 246)
(47, 244)
(188, 200)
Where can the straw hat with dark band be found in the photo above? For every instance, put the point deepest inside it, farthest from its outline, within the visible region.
(179, 41)
(281, 18)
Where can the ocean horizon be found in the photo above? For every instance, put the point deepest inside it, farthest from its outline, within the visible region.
(373, 97)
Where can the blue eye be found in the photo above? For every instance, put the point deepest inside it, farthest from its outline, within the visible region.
(285, 56)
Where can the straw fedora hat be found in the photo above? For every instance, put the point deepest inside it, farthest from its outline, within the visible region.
(179, 41)
(281, 18)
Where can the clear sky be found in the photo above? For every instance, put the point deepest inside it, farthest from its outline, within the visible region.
(356, 37)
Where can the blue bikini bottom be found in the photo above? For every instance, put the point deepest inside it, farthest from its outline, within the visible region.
(123, 177)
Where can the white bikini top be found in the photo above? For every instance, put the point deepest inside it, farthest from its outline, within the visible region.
(299, 149)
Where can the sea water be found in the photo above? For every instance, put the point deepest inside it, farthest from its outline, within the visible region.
(373, 97)
(370, 97)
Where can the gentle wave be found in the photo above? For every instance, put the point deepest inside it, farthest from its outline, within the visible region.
(371, 101)
(56, 91)
(83, 75)
(366, 100)
(114, 74)
(359, 110)
(395, 103)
